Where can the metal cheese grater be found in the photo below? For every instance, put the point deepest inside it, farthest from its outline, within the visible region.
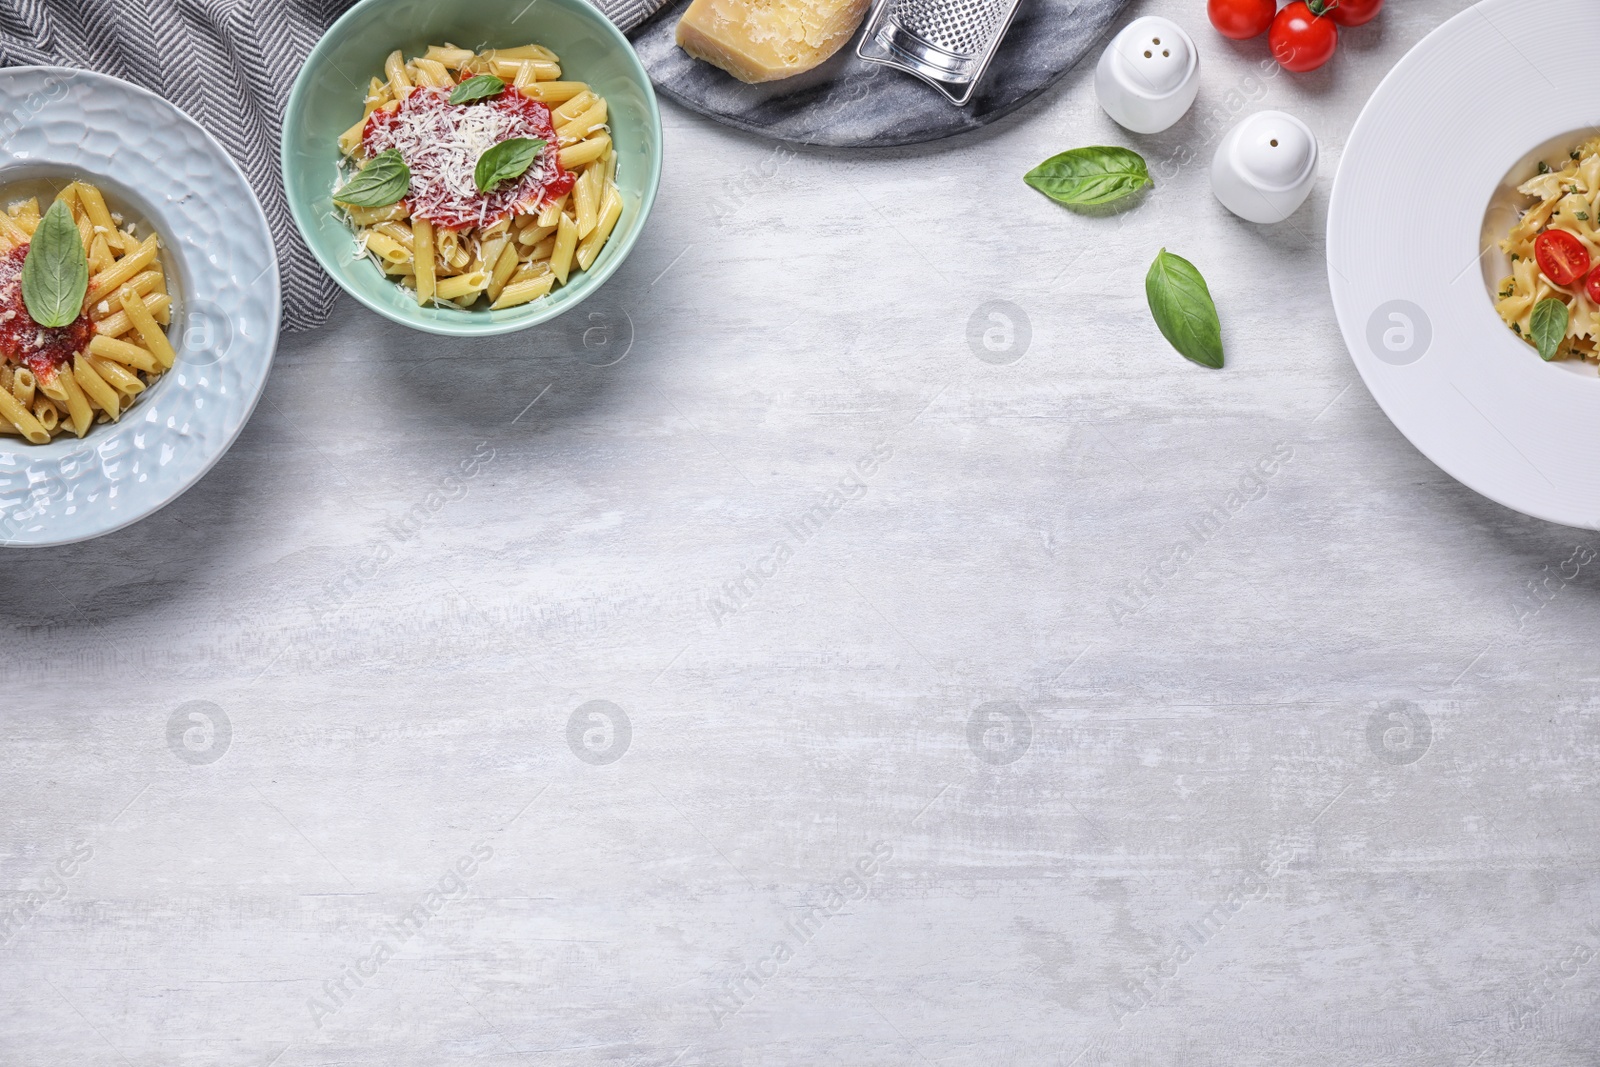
(946, 43)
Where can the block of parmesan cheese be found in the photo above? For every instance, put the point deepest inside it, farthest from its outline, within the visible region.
(764, 40)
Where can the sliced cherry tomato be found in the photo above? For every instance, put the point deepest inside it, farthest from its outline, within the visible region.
(1593, 286)
(1355, 12)
(1241, 19)
(1302, 40)
(1562, 257)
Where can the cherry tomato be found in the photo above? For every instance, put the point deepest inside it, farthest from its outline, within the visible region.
(1355, 12)
(1562, 257)
(1593, 286)
(1242, 19)
(1301, 40)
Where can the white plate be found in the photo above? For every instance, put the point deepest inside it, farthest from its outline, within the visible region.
(157, 165)
(1407, 261)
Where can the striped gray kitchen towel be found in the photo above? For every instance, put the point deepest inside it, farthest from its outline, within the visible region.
(229, 64)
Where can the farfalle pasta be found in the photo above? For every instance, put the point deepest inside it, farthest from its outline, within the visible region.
(1563, 219)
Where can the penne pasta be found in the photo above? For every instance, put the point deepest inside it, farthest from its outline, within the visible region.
(145, 283)
(553, 92)
(100, 257)
(583, 125)
(574, 107)
(586, 201)
(504, 268)
(422, 232)
(22, 419)
(58, 380)
(110, 348)
(117, 376)
(12, 232)
(489, 253)
(462, 286)
(527, 51)
(350, 140)
(22, 386)
(550, 214)
(456, 236)
(69, 197)
(532, 235)
(387, 248)
(394, 68)
(542, 69)
(46, 415)
(116, 324)
(402, 235)
(584, 152)
(433, 73)
(449, 56)
(94, 206)
(371, 216)
(51, 388)
(448, 245)
(154, 337)
(27, 215)
(523, 292)
(610, 212)
(566, 243)
(103, 284)
(79, 413)
(540, 252)
(94, 387)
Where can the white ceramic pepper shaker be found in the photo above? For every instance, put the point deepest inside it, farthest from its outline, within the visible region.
(1149, 74)
(1265, 167)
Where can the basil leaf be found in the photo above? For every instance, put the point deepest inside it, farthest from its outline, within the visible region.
(1085, 177)
(506, 161)
(482, 87)
(383, 181)
(1549, 327)
(55, 274)
(1182, 306)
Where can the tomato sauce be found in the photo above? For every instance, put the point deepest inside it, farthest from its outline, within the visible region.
(42, 349)
(441, 143)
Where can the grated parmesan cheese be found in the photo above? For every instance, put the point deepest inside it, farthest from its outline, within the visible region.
(442, 143)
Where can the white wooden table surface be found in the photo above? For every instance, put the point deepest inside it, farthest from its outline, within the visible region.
(922, 739)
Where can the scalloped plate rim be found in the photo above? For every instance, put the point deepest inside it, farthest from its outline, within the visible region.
(268, 345)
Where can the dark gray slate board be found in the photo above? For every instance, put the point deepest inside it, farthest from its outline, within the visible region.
(850, 103)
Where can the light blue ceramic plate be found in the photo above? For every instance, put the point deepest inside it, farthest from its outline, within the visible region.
(327, 100)
(163, 171)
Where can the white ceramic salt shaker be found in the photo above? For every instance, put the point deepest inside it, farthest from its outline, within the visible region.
(1148, 75)
(1265, 167)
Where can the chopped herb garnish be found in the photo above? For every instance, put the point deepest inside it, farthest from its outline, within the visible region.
(1517, 328)
(1544, 168)
(1507, 291)
(1584, 215)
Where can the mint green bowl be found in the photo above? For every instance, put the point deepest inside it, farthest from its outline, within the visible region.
(327, 100)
